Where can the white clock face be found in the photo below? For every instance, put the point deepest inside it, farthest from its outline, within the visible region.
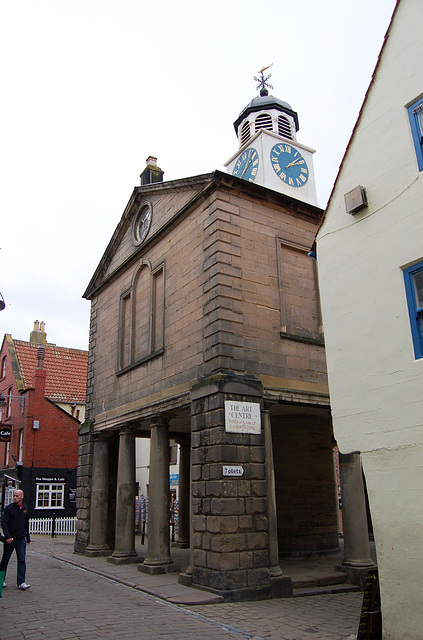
(142, 224)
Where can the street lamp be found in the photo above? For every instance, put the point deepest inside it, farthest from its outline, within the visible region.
(4, 401)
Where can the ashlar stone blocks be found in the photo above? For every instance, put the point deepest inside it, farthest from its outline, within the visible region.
(230, 532)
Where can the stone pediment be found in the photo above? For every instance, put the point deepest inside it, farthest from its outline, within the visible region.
(168, 201)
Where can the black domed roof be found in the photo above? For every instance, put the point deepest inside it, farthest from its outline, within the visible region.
(262, 103)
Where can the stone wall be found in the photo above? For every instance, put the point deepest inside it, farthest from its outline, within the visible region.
(85, 447)
(306, 493)
(83, 486)
(230, 528)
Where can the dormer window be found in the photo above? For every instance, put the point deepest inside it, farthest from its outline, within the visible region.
(263, 121)
(284, 127)
(245, 133)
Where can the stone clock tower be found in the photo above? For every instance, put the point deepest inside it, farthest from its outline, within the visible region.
(269, 153)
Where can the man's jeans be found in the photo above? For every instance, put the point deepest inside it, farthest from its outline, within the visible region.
(20, 546)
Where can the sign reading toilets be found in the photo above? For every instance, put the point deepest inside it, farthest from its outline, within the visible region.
(242, 417)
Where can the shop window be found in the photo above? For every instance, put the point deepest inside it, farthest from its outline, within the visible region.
(50, 496)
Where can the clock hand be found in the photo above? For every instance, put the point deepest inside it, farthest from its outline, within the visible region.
(294, 162)
(246, 167)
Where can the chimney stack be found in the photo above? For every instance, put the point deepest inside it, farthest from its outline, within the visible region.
(38, 334)
(152, 173)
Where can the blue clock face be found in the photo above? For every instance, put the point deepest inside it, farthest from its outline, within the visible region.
(246, 166)
(289, 165)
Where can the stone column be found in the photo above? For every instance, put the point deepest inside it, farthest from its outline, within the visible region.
(125, 500)
(274, 567)
(184, 495)
(356, 535)
(158, 558)
(98, 545)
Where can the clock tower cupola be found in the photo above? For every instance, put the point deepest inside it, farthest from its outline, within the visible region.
(269, 153)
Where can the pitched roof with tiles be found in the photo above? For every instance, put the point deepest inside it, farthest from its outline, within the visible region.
(66, 369)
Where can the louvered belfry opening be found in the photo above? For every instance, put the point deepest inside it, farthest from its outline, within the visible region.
(245, 133)
(284, 127)
(263, 121)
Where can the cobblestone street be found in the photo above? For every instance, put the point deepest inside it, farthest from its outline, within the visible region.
(68, 602)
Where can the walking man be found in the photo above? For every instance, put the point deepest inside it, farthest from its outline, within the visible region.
(15, 523)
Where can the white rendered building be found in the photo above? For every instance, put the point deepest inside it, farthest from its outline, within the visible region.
(370, 262)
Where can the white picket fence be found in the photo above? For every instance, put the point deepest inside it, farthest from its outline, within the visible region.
(62, 526)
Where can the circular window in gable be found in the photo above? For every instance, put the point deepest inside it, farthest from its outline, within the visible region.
(142, 223)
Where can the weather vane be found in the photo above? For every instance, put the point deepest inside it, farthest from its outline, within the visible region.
(262, 80)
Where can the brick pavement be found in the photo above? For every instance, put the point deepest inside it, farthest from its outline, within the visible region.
(68, 602)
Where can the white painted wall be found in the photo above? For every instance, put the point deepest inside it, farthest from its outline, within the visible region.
(73, 410)
(374, 380)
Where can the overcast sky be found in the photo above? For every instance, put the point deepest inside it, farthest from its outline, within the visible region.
(91, 88)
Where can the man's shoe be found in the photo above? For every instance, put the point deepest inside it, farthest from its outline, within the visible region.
(23, 586)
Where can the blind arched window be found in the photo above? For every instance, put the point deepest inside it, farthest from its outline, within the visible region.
(141, 324)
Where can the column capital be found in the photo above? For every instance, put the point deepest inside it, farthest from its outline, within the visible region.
(126, 428)
(161, 419)
(100, 436)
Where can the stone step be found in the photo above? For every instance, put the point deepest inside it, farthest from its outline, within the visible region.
(325, 589)
(319, 580)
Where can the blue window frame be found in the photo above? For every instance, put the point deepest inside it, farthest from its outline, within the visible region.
(413, 278)
(415, 114)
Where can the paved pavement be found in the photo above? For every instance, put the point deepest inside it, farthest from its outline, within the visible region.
(74, 597)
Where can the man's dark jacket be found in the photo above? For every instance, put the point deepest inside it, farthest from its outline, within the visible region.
(15, 522)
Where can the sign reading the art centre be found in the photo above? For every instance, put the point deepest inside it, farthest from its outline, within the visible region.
(242, 417)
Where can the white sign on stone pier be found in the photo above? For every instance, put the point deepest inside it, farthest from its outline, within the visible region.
(242, 417)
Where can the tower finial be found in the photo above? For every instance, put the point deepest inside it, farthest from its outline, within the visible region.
(262, 80)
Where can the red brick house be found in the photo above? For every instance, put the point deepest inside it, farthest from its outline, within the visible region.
(42, 403)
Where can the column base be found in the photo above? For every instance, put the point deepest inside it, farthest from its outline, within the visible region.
(93, 551)
(275, 572)
(155, 569)
(358, 564)
(180, 544)
(128, 559)
(357, 574)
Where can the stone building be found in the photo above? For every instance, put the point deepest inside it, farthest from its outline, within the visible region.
(205, 328)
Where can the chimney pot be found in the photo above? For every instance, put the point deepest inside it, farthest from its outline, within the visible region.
(41, 352)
